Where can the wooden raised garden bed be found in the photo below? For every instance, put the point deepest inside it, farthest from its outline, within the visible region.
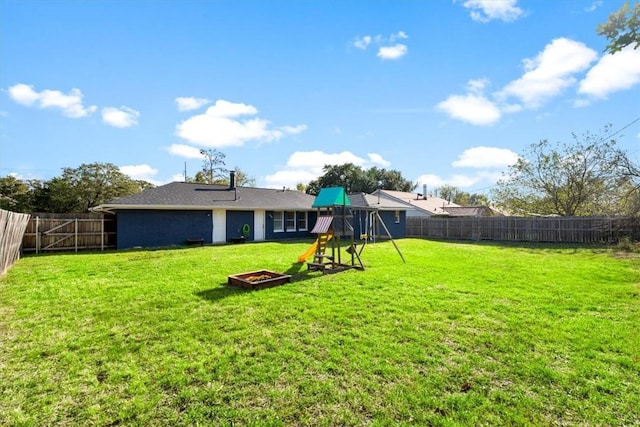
(259, 279)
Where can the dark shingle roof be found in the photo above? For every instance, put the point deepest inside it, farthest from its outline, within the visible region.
(183, 195)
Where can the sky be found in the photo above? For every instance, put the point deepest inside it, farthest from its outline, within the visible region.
(444, 91)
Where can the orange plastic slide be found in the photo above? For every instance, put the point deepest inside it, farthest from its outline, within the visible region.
(309, 252)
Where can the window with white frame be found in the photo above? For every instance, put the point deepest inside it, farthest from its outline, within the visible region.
(397, 217)
(302, 221)
(290, 221)
(278, 222)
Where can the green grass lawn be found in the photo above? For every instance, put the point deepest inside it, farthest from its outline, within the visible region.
(462, 334)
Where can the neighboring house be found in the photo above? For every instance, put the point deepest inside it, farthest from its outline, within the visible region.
(179, 213)
(417, 204)
(470, 211)
(392, 212)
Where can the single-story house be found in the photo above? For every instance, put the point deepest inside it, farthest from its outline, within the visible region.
(392, 212)
(179, 213)
(417, 204)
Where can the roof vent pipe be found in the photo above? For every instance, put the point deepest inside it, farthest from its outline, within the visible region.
(232, 180)
(424, 191)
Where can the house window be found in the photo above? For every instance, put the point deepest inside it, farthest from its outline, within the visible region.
(278, 222)
(290, 221)
(302, 221)
(397, 217)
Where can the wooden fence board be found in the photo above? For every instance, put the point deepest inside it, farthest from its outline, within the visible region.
(69, 232)
(12, 226)
(526, 229)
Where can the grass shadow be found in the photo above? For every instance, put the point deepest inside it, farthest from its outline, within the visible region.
(221, 292)
(226, 290)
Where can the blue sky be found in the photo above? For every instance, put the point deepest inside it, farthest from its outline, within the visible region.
(446, 92)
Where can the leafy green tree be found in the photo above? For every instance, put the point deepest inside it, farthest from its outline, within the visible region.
(15, 194)
(357, 180)
(582, 178)
(630, 172)
(81, 188)
(448, 192)
(622, 28)
(242, 179)
(462, 198)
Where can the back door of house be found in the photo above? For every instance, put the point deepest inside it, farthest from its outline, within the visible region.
(240, 224)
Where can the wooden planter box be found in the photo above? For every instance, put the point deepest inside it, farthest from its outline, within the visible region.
(259, 279)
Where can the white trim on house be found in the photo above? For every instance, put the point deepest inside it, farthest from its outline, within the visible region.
(259, 225)
(219, 226)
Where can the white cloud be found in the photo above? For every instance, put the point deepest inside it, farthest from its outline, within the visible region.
(178, 177)
(488, 10)
(595, 5)
(316, 160)
(550, 72)
(305, 166)
(392, 52)
(388, 48)
(224, 108)
(612, 73)
(142, 172)
(471, 108)
(362, 42)
(289, 178)
(399, 35)
(457, 180)
(190, 103)
(292, 130)
(221, 126)
(186, 151)
(485, 157)
(70, 104)
(377, 159)
(23, 94)
(489, 163)
(122, 117)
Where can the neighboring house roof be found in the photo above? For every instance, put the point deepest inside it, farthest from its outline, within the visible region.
(430, 205)
(374, 202)
(186, 195)
(470, 211)
(331, 196)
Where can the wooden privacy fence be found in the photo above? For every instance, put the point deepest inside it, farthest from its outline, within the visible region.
(69, 232)
(526, 229)
(12, 226)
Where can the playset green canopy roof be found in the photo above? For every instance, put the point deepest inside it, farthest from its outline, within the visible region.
(331, 196)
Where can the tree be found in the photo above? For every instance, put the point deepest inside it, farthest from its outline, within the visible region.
(354, 179)
(213, 171)
(630, 172)
(76, 190)
(462, 198)
(622, 28)
(15, 194)
(448, 192)
(564, 179)
(81, 188)
(242, 179)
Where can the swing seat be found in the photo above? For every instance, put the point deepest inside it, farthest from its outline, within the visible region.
(364, 236)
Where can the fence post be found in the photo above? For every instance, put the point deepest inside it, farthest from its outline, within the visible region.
(75, 235)
(102, 234)
(37, 235)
